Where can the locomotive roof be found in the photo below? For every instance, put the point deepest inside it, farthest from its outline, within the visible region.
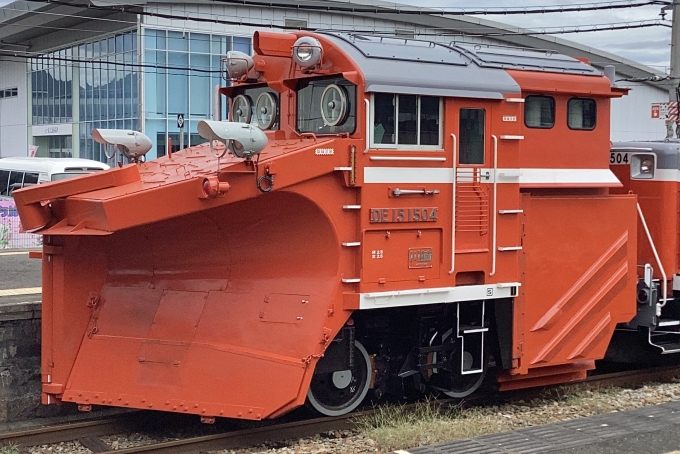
(395, 65)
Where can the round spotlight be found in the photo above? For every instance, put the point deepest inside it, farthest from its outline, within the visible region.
(237, 64)
(307, 52)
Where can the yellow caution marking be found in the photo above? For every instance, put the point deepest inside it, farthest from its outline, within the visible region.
(14, 253)
(21, 291)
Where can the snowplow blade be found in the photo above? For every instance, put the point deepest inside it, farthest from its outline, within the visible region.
(159, 297)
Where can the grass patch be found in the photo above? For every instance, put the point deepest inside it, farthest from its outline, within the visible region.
(395, 427)
(9, 449)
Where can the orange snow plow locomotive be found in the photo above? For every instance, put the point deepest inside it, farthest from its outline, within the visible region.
(380, 214)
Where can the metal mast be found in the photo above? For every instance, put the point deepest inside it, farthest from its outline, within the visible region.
(675, 67)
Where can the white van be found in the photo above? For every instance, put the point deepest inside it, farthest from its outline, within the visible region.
(17, 173)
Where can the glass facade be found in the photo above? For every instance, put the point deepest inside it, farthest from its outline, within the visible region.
(171, 90)
(52, 88)
(100, 93)
(97, 85)
(108, 90)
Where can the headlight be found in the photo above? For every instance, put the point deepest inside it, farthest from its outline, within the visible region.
(304, 52)
(243, 140)
(307, 52)
(237, 65)
(642, 166)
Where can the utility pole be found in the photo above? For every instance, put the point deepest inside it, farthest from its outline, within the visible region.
(675, 68)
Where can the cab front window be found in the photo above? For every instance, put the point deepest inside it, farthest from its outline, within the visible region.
(326, 106)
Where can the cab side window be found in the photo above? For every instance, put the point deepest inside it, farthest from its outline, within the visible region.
(539, 111)
(384, 118)
(406, 121)
(471, 129)
(581, 113)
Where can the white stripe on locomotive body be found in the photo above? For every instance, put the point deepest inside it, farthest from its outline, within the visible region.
(418, 297)
(663, 175)
(565, 176)
(408, 175)
(486, 175)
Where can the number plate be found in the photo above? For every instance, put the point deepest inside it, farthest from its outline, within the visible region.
(619, 158)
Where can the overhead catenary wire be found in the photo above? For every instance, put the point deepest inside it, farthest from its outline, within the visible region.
(448, 33)
(440, 31)
(112, 63)
(473, 32)
(474, 11)
(433, 31)
(456, 11)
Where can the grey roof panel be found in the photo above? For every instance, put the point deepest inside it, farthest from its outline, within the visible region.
(407, 76)
(490, 56)
(391, 48)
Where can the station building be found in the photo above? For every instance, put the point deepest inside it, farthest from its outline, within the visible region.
(70, 67)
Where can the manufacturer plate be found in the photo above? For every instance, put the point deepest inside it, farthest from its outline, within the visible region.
(420, 257)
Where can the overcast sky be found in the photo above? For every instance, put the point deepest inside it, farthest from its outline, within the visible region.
(650, 46)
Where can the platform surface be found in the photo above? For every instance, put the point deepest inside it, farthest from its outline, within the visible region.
(20, 277)
(650, 430)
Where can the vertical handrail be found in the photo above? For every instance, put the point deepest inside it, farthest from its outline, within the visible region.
(453, 204)
(368, 125)
(495, 198)
(658, 262)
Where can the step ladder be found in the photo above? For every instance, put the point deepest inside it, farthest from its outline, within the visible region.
(470, 331)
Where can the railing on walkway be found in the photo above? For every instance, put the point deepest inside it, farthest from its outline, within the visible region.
(11, 236)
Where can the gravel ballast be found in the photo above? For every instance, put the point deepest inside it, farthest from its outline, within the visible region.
(395, 427)
(394, 430)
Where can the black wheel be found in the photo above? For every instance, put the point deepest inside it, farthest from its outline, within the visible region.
(451, 381)
(339, 392)
(459, 385)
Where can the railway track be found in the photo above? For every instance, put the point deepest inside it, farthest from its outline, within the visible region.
(88, 433)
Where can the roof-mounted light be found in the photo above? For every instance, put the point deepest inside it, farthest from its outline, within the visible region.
(133, 144)
(243, 140)
(237, 64)
(307, 52)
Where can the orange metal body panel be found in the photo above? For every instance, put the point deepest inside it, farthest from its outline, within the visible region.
(656, 198)
(561, 147)
(158, 296)
(580, 275)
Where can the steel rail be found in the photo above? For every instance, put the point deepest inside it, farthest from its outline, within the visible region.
(68, 431)
(292, 430)
(247, 437)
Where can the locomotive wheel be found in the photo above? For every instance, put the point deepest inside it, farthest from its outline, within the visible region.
(339, 392)
(457, 385)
